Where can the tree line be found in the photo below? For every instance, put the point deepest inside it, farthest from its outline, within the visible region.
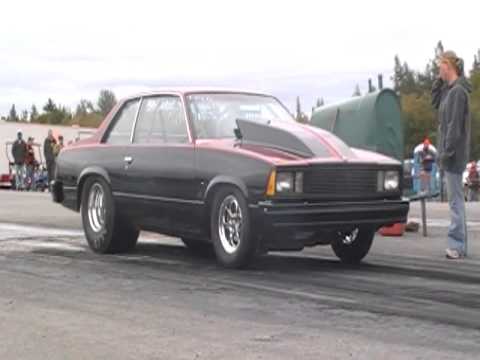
(413, 88)
(86, 114)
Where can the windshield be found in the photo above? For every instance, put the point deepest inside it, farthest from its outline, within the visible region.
(214, 115)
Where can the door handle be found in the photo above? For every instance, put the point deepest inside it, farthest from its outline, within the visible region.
(128, 160)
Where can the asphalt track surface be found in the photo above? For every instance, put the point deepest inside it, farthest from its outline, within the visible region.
(58, 300)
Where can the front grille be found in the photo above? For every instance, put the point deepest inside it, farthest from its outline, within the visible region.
(341, 182)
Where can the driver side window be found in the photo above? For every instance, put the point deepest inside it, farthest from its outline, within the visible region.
(121, 131)
(161, 121)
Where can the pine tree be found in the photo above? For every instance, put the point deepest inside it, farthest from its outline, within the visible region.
(33, 114)
(12, 115)
(439, 50)
(50, 106)
(24, 117)
(426, 79)
(398, 75)
(408, 85)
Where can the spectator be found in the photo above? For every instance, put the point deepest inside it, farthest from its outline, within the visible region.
(473, 182)
(19, 152)
(58, 147)
(425, 168)
(30, 163)
(48, 151)
(451, 96)
(427, 156)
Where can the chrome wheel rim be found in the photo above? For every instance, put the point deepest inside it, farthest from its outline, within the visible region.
(230, 224)
(96, 208)
(350, 237)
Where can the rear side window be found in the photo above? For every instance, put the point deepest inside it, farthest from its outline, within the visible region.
(161, 121)
(122, 127)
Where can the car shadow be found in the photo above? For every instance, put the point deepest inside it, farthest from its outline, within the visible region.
(302, 264)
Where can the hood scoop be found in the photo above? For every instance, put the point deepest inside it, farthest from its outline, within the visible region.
(292, 139)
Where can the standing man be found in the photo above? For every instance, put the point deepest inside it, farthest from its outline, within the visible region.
(19, 153)
(48, 151)
(450, 95)
(30, 163)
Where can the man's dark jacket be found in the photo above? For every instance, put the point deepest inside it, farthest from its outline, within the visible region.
(48, 150)
(19, 151)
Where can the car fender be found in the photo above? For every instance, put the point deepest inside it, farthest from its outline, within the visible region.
(91, 170)
(225, 180)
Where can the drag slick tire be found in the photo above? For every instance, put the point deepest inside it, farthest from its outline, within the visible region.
(233, 239)
(352, 246)
(106, 230)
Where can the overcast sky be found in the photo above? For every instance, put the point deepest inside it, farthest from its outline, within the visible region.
(69, 50)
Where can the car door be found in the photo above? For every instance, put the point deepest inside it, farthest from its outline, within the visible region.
(161, 173)
(111, 155)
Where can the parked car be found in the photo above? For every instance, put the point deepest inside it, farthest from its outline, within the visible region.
(227, 169)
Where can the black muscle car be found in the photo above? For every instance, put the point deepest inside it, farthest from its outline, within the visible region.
(227, 169)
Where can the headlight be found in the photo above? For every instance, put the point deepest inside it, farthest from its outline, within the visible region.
(391, 181)
(285, 182)
(388, 181)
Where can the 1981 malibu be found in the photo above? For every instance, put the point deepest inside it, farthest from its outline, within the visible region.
(228, 169)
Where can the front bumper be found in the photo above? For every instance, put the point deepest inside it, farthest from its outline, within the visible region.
(284, 225)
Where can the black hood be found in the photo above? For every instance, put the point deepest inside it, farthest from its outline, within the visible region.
(293, 138)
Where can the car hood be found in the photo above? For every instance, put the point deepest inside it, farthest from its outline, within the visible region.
(295, 144)
(288, 137)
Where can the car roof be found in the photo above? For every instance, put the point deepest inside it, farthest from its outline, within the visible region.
(195, 90)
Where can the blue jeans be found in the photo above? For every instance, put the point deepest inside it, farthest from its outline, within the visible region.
(19, 176)
(457, 232)
(30, 177)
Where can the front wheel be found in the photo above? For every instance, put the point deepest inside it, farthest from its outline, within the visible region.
(352, 246)
(105, 229)
(233, 239)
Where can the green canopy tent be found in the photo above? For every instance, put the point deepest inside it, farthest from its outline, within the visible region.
(371, 122)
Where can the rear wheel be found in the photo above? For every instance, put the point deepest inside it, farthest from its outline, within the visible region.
(106, 230)
(352, 246)
(233, 239)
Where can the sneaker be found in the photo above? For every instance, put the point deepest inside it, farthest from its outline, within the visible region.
(453, 254)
